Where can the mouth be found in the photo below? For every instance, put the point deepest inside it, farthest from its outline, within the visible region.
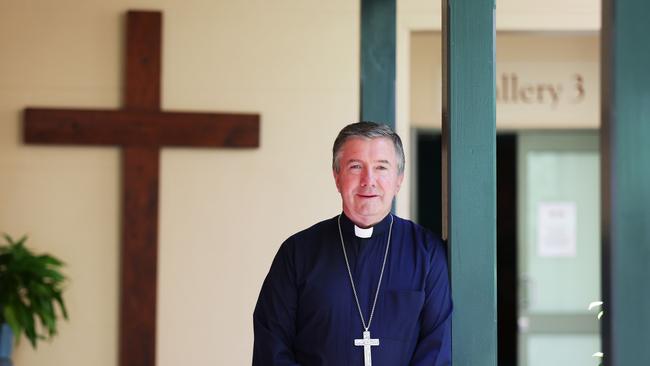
(367, 195)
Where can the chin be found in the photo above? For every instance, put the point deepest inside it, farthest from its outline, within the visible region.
(370, 214)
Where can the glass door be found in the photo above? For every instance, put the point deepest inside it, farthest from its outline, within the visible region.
(558, 248)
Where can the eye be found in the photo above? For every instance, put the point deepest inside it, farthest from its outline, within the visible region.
(382, 167)
(355, 166)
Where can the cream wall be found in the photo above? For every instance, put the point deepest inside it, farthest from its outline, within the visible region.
(223, 213)
(511, 15)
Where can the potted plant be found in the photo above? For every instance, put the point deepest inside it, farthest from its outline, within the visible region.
(30, 291)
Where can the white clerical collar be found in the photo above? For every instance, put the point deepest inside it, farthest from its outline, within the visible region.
(363, 233)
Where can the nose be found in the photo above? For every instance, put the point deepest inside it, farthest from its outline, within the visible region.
(367, 177)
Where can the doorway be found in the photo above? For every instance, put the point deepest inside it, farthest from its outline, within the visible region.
(548, 253)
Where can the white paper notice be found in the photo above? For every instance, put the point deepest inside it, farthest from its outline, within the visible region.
(556, 229)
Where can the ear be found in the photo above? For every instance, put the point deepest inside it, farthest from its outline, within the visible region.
(398, 184)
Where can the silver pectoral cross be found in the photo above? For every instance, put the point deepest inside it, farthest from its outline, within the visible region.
(366, 342)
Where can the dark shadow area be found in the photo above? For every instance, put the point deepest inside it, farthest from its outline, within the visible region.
(429, 215)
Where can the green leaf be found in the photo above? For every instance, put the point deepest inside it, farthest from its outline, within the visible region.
(30, 288)
(7, 238)
(10, 318)
(59, 300)
(47, 259)
(48, 274)
(40, 290)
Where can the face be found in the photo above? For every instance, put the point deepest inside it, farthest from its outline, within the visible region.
(368, 179)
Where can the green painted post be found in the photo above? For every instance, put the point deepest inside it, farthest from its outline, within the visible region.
(378, 21)
(625, 143)
(469, 176)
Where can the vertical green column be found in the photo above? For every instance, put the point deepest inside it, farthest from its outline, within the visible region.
(469, 176)
(378, 19)
(625, 143)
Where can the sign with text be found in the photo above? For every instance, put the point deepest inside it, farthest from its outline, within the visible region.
(514, 89)
(547, 94)
(541, 81)
(556, 229)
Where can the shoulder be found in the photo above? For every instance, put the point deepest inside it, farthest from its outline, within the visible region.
(423, 239)
(315, 231)
(418, 232)
(306, 247)
(310, 237)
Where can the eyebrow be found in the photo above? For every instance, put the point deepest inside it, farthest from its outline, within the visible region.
(352, 161)
(383, 161)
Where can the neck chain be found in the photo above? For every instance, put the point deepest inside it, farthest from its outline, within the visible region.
(383, 266)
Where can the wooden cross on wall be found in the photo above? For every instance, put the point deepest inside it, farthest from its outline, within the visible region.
(141, 129)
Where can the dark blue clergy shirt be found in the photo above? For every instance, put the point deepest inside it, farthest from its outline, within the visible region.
(306, 313)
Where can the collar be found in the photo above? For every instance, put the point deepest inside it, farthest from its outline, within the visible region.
(349, 228)
(363, 233)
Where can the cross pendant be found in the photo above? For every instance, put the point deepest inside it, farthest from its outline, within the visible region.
(366, 342)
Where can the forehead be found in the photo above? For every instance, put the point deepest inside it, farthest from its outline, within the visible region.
(361, 148)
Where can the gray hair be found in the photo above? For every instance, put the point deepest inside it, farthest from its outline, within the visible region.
(369, 130)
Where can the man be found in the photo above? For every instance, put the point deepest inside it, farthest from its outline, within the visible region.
(365, 286)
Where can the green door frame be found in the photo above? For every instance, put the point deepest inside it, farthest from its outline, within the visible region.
(378, 50)
(469, 176)
(625, 136)
(469, 154)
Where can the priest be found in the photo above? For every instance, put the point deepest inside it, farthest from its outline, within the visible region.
(364, 287)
